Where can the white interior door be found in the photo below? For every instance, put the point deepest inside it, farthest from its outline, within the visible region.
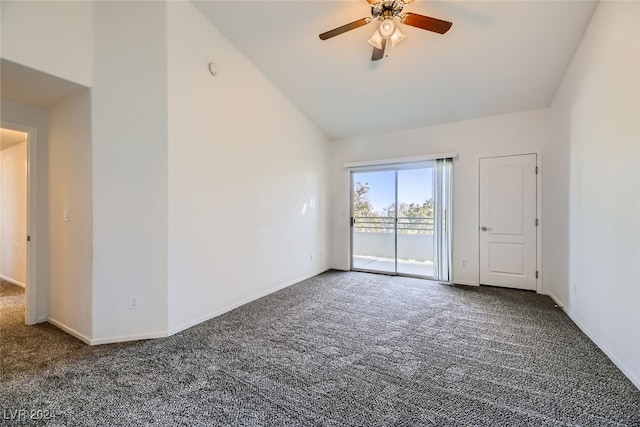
(508, 238)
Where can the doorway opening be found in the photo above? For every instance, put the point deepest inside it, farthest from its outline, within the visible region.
(399, 220)
(17, 210)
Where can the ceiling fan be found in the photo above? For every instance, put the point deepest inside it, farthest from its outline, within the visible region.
(386, 12)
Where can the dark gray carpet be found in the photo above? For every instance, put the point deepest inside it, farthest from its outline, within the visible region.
(340, 349)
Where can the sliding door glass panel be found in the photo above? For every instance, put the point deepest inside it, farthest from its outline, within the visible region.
(415, 221)
(374, 221)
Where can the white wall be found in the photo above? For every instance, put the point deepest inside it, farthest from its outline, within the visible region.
(51, 36)
(13, 213)
(248, 197)
(55, 37)
(516, 133)
(119, 48)
(596, 117)
(17, 113)
(129, 123)
(70, 189)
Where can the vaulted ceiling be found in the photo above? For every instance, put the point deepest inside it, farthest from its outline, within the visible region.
(499, 57)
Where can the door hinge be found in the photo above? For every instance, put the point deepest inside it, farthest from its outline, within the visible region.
(353, 221)
(536, 274)
(537, 222)
(536, 170)
(28, 238)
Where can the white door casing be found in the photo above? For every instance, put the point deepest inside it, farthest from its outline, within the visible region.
(31, 299)
(508, 235)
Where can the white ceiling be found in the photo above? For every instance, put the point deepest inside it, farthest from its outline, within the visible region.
(33, 87)
(499, 57)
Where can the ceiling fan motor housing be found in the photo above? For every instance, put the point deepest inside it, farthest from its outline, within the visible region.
(386, 9)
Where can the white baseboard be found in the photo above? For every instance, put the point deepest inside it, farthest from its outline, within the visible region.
(69, 330)
(558, 303)
(125, 338)
(15, 282)
(233, 306)
(465, 283)
(627, 372)
(107, 340)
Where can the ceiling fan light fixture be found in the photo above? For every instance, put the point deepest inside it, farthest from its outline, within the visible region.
(376, 40)
(397, 37)
(387, 28)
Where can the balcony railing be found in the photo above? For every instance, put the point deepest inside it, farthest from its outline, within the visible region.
(374, 237)
(381, 224)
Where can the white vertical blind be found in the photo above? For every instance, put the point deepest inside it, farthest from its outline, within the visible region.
(443, 220)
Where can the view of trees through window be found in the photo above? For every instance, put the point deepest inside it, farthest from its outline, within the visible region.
(413, 218)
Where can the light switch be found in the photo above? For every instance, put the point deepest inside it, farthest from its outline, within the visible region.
(65, 215)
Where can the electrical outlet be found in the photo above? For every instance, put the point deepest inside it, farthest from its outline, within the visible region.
(66, 216)
(134, 303)
(310, 257)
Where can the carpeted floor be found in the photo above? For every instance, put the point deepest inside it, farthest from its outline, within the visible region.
(340, 349)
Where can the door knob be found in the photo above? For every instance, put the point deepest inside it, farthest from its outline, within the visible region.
(483, 228)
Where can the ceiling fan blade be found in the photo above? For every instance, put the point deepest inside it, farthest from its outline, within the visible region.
(379, 53)
(426, 23)
(343, 29)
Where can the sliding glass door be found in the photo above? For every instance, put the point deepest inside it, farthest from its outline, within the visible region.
(374, 221)
(415, 222)
(398, 220)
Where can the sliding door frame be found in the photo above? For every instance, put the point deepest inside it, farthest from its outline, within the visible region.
(395, 222)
